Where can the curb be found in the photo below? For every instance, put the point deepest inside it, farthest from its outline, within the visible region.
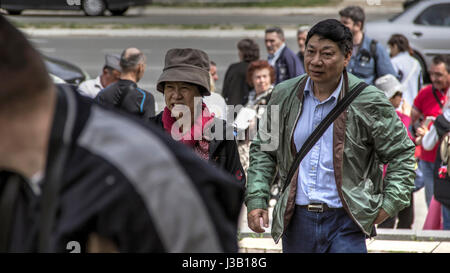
(136, 32)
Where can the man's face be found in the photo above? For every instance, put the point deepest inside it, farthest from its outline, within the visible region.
(301, 39)
(393, 50)
(110, 76)
(440, 78)
(396, 100)
(273, 42)
(261, 80)
(324, 61)
(348, 22)
(213, 71)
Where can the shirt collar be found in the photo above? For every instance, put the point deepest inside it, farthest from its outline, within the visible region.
(98, 82)
(273, 58)
(334, 96)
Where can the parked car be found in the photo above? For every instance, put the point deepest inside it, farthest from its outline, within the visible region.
(64, 72)
(90, 7)
(425, 23)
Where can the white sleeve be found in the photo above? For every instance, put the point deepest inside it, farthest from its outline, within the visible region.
(430, 139)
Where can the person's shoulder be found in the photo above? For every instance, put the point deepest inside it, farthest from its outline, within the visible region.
(426, 90)
(288, 52)
(111, 87)
(238, 65)
(145, 91)
(369, 93)
(285, 89)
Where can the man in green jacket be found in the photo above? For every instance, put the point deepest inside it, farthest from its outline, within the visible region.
(338, 193)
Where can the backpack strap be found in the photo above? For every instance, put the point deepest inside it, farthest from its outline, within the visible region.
(56, 162)
(8, 201)
(373, 53)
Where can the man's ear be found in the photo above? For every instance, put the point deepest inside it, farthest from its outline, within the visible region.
(347, 58)
(359, 25)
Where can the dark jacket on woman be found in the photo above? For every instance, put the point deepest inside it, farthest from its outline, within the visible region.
(222, 152)
(124, 180)
(235, 87)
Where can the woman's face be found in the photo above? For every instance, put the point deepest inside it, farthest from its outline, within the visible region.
(393, 50)
(261, 80)
(177, 94)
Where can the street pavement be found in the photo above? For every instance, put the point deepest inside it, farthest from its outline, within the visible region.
(415, 240)
(238, 16)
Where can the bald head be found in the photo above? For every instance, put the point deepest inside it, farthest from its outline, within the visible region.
(130, 60)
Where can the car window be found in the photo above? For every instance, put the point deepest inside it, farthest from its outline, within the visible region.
(436, 15)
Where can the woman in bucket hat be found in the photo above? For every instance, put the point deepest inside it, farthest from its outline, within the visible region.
(184, 81)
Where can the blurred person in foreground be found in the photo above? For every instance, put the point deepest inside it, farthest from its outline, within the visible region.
(75, 174)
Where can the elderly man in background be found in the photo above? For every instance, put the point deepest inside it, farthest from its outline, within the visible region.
(302, 32)
(110, 74)
(287, 65)
(125, 94)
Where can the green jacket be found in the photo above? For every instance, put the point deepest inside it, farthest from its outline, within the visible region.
(365, 136)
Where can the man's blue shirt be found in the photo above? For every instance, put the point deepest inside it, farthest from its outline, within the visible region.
(316, 182)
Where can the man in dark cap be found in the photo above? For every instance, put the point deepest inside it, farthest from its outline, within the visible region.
(125, 94)
(110, 74)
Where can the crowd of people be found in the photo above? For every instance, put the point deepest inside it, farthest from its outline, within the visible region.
(344, 127)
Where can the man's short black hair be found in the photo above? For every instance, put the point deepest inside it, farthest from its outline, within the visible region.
(445, 59)
(335, 31)
(355, 13)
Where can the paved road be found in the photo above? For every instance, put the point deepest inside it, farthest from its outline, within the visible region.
(185, 17)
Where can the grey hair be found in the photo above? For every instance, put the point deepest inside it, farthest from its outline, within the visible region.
(276, 29)
(303, 29)
(129, 62)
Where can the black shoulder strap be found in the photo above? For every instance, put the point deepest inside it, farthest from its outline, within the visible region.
(54, 173)
(321, 128)
(373, 52)
(8, 200)
(436, 97)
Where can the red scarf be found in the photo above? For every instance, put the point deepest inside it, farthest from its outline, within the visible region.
(201, 146)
